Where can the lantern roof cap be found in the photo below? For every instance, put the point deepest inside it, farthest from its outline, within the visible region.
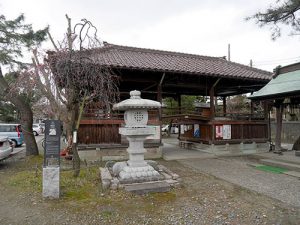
(136, 102)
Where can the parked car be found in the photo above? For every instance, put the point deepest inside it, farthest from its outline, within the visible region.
(13, 132)
(37, 129)
(5, 148)
(173, 130)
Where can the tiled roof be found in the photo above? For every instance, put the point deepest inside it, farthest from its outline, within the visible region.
(125, 57)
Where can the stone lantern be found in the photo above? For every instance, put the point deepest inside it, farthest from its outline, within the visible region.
(136, 169)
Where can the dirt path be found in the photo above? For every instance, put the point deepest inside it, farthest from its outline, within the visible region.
(202, 199)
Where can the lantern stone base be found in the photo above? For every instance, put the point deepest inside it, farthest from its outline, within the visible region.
(130, 174)
(140, 180)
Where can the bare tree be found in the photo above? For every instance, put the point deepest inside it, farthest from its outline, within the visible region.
(79, 76)
(42, 75)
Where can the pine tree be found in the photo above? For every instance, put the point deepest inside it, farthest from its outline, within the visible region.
(15, 35)
(282, 13)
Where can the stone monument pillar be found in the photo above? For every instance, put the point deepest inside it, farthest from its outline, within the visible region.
(51, 168)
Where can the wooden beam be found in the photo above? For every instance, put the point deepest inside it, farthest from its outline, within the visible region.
(186, 85)
(212, 105)
(162, 79)
(149, 87)
(139, 79)
(179, 103)
(215, 84)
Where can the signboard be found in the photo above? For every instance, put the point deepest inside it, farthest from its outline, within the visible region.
(196, 130)
(226, 131)
(219, 131)
(52, 142)
(223, 132)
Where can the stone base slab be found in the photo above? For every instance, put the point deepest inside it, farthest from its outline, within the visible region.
(148, 187)
(141, 184)
(51, 182)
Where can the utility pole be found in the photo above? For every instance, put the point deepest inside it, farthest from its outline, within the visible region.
(251, 63)
(228, 52)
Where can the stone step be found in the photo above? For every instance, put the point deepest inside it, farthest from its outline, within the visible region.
(148, 187)
(286, 165)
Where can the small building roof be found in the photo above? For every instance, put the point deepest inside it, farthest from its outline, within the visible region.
(283, 85)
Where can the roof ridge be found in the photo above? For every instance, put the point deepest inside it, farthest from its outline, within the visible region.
(150, 50)
(187, 55)
(252, 68)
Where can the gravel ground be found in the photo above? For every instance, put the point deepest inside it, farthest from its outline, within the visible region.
(237, 171)
(202, 199)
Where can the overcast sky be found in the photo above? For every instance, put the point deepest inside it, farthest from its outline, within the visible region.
(203, 27)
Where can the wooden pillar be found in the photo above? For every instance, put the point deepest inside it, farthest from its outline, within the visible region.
(179, 106)
(179, 103)
(159, 99)
(211, 95)
(279, 109)
(216, 104)
(266, 109)
(159, 94)
(224, 106)
(251, 109)
(212, 113)
(212, 105)
(159, 88)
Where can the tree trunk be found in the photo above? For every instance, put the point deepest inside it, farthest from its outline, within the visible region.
(25, 114)
(279, 109)
(76, 158)
(73, 113)
(26, 123)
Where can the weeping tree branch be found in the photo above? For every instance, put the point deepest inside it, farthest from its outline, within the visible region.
(76, 70)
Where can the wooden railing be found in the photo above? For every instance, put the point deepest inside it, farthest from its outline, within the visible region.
(206, 113)
(101, 114)
(177, 111)
(241, 116)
